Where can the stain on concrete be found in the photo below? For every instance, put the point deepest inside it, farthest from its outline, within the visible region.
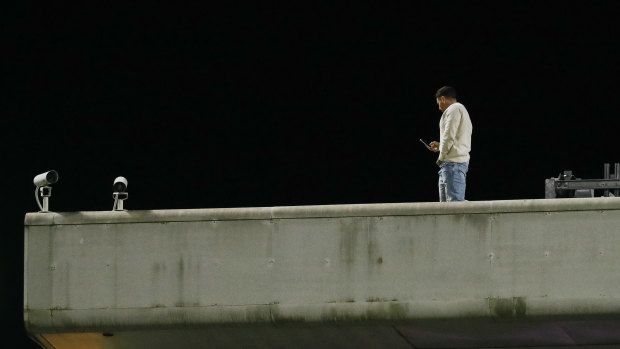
(350, 232)
(507, 308)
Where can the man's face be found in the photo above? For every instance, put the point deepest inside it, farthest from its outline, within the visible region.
(442, 103)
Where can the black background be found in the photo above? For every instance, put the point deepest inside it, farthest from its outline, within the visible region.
(269, 105)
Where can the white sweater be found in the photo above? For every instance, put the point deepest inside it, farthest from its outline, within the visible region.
(455, 130)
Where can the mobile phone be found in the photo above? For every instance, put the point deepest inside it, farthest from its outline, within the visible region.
(426, 145)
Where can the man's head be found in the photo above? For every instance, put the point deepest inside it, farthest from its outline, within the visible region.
(445, 96)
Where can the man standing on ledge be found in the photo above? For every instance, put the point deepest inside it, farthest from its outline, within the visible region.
(454, 145)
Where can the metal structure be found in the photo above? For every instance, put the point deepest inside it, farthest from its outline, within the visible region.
(566, 185)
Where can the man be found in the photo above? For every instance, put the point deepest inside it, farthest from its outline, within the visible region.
(454, 145)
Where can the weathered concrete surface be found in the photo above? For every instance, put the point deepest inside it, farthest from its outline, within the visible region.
(408, 275)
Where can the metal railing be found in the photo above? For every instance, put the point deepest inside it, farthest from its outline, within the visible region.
(566, 185)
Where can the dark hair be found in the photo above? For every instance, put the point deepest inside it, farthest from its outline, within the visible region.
(446, 91)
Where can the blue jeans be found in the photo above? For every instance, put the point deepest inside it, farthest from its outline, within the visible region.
(452, 180)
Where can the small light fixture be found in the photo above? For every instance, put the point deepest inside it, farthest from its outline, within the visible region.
(120, 193)
(42, 182)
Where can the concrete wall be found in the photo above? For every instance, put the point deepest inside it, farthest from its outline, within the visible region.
(339, 264)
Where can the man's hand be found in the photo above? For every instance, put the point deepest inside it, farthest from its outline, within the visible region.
(434, 146)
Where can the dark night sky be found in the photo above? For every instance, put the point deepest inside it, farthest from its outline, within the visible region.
(257, 105)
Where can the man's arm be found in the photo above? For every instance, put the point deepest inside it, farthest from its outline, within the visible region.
(448, 136)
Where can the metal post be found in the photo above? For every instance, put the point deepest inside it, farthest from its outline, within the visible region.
(46, 192)
(550, 188)
(617, 175)
(606, 176)
(118, 200)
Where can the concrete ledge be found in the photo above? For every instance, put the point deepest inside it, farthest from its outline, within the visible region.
(413, 274)
(322, 211)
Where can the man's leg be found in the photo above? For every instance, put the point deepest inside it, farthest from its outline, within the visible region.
(456, 180)
(442, 185)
